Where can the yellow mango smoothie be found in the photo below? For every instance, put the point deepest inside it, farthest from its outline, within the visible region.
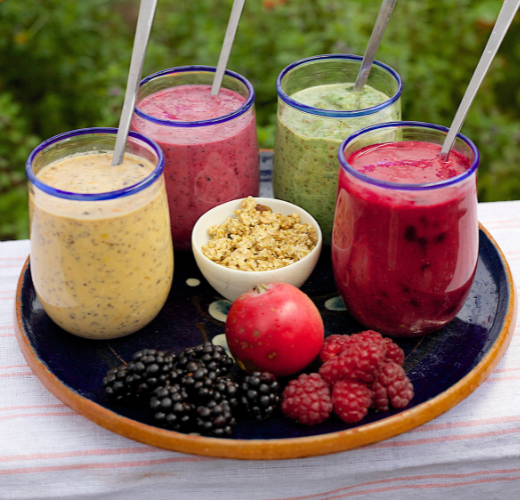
(102, 266)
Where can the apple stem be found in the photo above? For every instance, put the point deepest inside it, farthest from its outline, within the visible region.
(262, 287)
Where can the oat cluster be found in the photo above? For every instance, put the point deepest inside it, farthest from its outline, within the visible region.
(259, 240)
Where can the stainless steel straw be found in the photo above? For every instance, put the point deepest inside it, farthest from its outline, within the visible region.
(142, 35)
(375, 39)
(504, 19)
(232, 27)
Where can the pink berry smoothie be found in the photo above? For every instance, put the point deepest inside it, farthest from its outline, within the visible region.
(206, 164)
(404, 259)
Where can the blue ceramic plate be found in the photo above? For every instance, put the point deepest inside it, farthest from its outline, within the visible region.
(444, 367)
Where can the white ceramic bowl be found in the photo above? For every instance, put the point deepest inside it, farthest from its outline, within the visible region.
(231, 283)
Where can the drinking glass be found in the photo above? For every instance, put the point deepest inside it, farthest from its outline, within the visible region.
(404, 255)
(101, 263)
(207, 162)
(305, 170)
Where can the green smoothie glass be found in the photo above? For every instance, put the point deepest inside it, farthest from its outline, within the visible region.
(316, 111)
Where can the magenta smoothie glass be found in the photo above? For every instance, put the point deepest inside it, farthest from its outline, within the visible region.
(405, 250)
(209, 142)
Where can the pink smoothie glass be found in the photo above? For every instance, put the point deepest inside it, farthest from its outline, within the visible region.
(404, 254)
(210, 158)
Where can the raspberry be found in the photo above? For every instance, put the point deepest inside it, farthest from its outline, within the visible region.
(332, 346)
(379, 397)
(398, 387)
(360, 360)
(369, 335)
(333, 370)
(307, 399)
(351, 400)
(393, 352)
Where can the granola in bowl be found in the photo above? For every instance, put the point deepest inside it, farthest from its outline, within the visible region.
(259, 240)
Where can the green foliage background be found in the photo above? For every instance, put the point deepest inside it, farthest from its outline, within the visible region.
(65, 64)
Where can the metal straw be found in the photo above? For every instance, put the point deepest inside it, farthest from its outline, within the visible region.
(373, 44)
(234, 19)
(504, 19)
(142, 35)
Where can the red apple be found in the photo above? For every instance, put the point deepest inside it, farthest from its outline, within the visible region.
(275, 328)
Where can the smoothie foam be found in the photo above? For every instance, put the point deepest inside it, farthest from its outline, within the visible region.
(404, 261)
(204, 165)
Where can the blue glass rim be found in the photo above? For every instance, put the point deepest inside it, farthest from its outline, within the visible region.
(67, 195)
(199, 123)
(330, 113)
(406, 186)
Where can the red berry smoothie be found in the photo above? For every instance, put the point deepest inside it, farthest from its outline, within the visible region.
(205, 164)
(404, 259)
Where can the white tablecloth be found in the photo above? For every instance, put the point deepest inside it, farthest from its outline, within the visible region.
(48, 451)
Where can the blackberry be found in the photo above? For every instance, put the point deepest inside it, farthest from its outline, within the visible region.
(225, 388)
(189, 393)
(259, 395)
(214, 419)
(176, 376)
(117, 385)
(213, 356)
(198, 380)
(172, 408)
(149, 369)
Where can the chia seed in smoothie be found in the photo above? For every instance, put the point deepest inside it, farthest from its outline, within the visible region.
(205, 165)
(305, 161)
(404, 261)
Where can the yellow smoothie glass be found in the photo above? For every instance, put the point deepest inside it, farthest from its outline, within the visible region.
(101, 248)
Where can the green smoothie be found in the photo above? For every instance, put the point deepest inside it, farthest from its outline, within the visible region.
(305, 161)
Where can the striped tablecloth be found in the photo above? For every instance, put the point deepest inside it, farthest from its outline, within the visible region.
(49, 451)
